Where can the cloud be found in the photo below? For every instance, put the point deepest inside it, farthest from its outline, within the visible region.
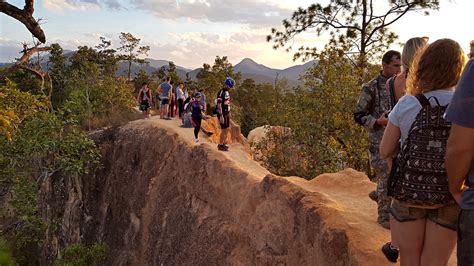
(82, 5)
(195, 48)
(250, 12)
(190, 49)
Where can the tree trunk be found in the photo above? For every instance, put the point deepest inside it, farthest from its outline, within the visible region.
(362, 57)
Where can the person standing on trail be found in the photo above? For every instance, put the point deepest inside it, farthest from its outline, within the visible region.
(164, 90)
(144, 100)
(396, 87)
(460, 161)
(172, 106)
(181, 98)
(197, 114)
(425, 213)
(223, 112)
(371, 112)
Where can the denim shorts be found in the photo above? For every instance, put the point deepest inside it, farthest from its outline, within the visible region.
(466, 238)
(446, 216)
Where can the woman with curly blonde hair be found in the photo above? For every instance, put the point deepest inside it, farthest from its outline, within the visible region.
(426, 232)
(396, 87)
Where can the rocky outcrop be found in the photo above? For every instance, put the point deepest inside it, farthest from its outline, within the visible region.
(162, 200)
(234, 136)
(258, 134)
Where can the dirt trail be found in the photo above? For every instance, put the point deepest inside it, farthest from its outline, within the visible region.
(352, 204)
(238, 154)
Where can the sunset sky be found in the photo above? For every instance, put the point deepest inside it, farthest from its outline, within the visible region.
(191, 32)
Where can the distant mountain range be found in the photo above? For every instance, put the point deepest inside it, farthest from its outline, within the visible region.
(247, 67)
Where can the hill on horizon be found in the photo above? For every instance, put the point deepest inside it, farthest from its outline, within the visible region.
(247, 67)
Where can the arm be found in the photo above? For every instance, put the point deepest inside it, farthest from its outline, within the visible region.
(364, 105)
(389, 143)
(219, 103)
(159, 90)
(138, 97)
(203, 111)
(459, 156)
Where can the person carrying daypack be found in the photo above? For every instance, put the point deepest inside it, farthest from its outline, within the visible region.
(396, 87)
(424, 212)
(223, 112)
(197, 114)
(145, 100)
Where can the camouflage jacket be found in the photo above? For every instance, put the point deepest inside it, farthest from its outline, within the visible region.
(373, 102)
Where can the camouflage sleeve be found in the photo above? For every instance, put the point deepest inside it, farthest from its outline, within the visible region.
(362, 113)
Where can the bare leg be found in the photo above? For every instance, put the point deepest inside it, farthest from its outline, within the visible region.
(164, 112)
(411, 237)
(394, 232)
(438, 245)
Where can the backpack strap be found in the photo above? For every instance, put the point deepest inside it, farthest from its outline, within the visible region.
(423, 100)
(391, 91)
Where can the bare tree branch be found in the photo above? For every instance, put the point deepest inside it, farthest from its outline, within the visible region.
(25, 16)
(22, 62)
(361, 23)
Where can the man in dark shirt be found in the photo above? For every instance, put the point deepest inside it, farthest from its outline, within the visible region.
(460, 161)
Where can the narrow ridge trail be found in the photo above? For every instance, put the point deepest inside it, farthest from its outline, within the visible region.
(165, 200)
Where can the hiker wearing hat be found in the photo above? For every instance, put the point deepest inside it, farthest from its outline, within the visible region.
(223, 112)
(197, 114)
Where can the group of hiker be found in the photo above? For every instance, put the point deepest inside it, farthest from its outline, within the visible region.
(191, 109)
(419, 112)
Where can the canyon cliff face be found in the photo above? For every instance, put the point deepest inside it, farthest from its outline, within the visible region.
(160, 199)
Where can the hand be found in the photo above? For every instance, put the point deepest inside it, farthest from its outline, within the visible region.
(458, 196)
(221, 119)
(383, 120)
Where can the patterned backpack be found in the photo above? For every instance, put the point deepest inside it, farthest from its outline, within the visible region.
(419, 177)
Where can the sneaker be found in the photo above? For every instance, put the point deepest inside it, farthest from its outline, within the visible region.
(167, 118)
(390, 252)
(196, 140)
(373, 195)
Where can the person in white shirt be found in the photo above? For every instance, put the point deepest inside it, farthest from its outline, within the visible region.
(181, 98)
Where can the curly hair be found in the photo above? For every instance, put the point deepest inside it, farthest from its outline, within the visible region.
(437, 66)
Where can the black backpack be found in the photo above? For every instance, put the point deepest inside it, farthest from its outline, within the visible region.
(419, 175)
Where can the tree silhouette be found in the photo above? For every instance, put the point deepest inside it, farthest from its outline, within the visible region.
(131, 51)
(354, 26)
